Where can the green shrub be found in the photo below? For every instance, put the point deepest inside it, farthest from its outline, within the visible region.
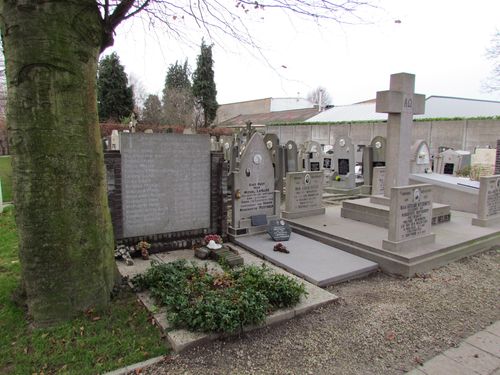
(218, 302)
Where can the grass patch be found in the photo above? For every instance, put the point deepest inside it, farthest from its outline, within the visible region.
(6, 177)
(96, 342)
(218, 301)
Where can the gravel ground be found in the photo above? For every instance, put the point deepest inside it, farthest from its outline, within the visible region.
(381, 325)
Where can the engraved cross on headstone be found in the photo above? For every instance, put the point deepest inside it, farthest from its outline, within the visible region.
(401, 103)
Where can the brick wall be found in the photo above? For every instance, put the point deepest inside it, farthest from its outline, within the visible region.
(218, 207)
(112, 161)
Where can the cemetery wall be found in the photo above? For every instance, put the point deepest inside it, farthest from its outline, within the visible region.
(458, 134)
(497, 159)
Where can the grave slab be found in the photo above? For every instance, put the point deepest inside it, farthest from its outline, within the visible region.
(314, 261)
(455, 239)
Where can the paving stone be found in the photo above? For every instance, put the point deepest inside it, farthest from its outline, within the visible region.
(494, 328)
(486, 341)
(474, 358)
(316, 262)
(442, 365)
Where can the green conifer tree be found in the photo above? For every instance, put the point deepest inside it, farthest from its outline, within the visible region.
(115, 96)
(178, 104)
(204, 89)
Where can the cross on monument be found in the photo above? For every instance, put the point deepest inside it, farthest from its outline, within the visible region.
(401, 103)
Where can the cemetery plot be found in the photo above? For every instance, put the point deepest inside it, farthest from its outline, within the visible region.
(303, 195)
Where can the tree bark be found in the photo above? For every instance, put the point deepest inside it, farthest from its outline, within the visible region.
(66, 240)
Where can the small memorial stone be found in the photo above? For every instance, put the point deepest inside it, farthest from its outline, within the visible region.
(488, 202)
(279, 230)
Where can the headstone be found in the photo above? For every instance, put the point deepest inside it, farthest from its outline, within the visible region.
(115, 140)
(378, 145)
(304, 191)
(378, 181)
(451, 161)
(253, 193)
(279, 230)
(292, 157)
(344, 176)
(165, 183)
(312, 160)
(483, 160)
(133, 123)
(420, 161)
(276, 152)
(488, 202)
(401, 103)
(410, 218)
(368, 167)
(148, 131)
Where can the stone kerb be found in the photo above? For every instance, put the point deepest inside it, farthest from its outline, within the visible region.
(303, 194)
(410, 218)
(488, 202)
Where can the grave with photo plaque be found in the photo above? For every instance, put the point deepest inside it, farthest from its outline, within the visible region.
(420, 161)
(343, 177)
(303, 195)
(410, 218)
(279, 230)
(254, 200)
(488, 202)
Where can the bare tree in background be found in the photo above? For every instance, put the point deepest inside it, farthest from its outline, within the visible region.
(320, 97)
(493, 54)
(139, 93)
(52, 50)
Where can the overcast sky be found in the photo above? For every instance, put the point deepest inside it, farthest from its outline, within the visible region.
(443, 42)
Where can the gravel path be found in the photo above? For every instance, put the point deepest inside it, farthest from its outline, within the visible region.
(382, 325)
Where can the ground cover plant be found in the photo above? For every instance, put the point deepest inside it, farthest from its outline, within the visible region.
(95, 342)
(226, 301)
(6, 177)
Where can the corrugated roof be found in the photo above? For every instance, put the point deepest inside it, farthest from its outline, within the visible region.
(294, 115)
(435, 107)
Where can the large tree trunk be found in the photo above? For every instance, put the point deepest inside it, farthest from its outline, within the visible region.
(66, 243)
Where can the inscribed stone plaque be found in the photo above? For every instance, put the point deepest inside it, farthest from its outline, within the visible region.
(378, 181)
(165, 182)
(279, 230)
(489, 197)
(255, 180)
(410, 215)
(343, 167)
(304, 191)
(314, 166)
(327, 163)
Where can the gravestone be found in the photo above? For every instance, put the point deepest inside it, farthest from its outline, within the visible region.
(343, 176)
(303, 194)
(378, 181)
(292, 157)
(401, 103)
(410, 218)
(451, 161)
(378, 145)
(279, 230)
(276, 152)
(420, 161)
(115, 140)
(254, 200)
(313, 160)
(483, 161)
(165, 183)
(488, 202)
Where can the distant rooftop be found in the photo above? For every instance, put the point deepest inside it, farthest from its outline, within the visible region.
(293, 115)
(435, 107)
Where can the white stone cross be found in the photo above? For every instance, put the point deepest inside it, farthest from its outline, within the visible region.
(401, 103)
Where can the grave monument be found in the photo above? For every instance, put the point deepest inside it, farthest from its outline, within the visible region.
(303, 194)
(488, 202)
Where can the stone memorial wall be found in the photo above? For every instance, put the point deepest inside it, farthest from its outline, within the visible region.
(165, 183)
